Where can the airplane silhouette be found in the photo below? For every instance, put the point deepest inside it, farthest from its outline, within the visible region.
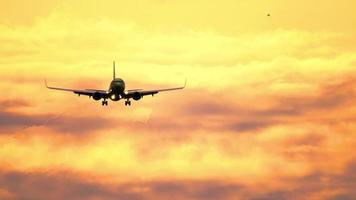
(116, 91)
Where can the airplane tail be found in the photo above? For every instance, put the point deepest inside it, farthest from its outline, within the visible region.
(113, 75)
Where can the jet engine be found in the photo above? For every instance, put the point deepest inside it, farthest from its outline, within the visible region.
(136, 96)
(97, 96)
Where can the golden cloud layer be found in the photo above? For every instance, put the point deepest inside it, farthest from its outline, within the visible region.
(268, 112)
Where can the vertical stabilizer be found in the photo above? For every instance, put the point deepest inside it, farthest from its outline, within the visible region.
(113, 66)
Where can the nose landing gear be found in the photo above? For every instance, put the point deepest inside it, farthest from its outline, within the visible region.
(127, 102)
(104, 102)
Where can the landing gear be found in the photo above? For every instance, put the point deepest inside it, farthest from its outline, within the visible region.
(104, 102)
(127, 102)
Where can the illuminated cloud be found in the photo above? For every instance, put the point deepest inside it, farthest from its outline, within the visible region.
(67, 185)
(268, 112)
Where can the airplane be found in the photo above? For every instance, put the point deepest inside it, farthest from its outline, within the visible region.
(116, 91)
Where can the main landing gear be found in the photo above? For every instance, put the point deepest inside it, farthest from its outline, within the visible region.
(104, 102)
(127, 102)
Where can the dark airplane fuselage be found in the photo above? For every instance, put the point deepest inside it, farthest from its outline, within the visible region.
(116, 89)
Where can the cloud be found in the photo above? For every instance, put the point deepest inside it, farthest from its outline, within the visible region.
(263, 109)
(13, 120)
(14, 103)
(59, 185)
(67, 185)
(17, 122)
(248, 126)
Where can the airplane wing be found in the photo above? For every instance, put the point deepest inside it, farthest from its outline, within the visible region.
(132, 93)
(134, 90)
(95, 90)
(88, 92)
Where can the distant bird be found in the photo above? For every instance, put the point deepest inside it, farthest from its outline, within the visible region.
(268, 15)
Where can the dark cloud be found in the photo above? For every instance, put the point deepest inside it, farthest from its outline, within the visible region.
(207, 107)
(63, 185)
(275, 195)
(331, 96)
(8, 119)
(318, 182)
(80, 124)
(11, 121)
(234, 116)
(249, 125)
(13, 103)
(311, 139)
(59, 186)
(216, 190)
(68, 186)
(169, 188)
(195, 189)
(342, 197)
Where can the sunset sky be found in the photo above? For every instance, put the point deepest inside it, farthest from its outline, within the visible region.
(269, 111)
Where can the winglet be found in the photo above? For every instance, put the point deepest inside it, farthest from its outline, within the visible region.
(185, 83)
(45, 81)
(113, 75)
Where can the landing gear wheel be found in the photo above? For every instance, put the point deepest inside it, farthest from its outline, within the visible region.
(104, 103)
(127, 103)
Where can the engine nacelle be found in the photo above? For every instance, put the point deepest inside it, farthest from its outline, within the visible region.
(97, 96)
(136, 96)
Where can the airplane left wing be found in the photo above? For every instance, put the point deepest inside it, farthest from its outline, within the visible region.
(88, 92)
(133, 93)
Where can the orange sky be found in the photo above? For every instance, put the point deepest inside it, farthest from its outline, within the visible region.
(268, 113)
